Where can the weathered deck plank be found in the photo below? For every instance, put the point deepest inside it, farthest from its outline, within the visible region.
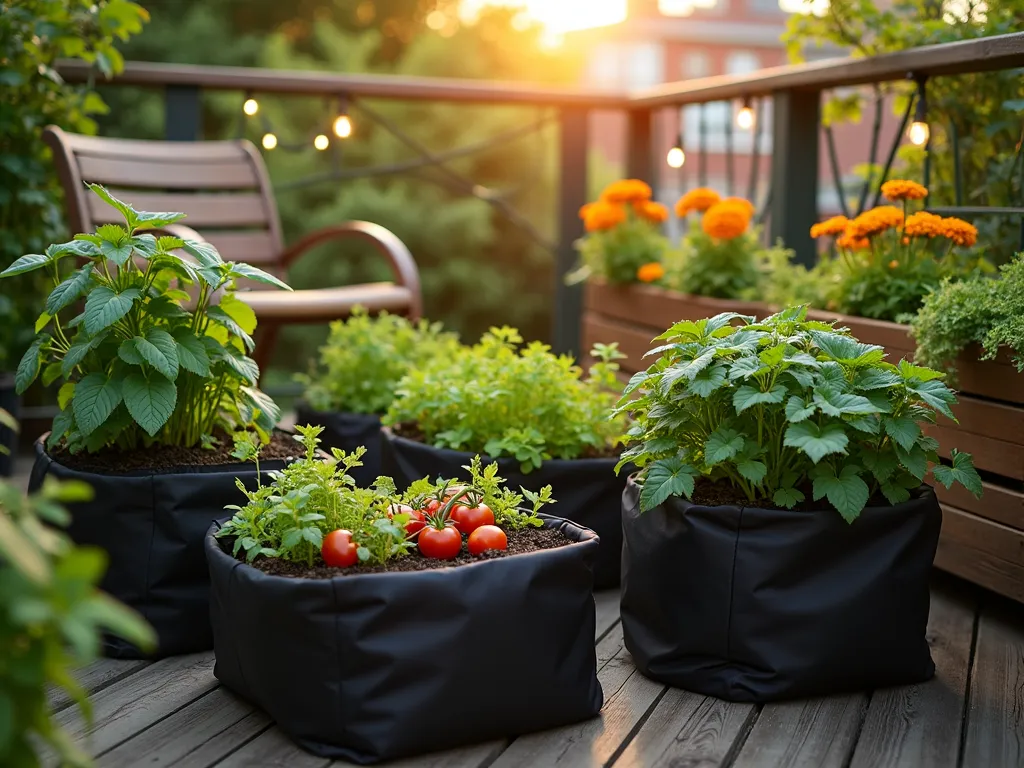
(94, 677)
(272, 749)
(919, 726)
(607, 607)
(995, 718)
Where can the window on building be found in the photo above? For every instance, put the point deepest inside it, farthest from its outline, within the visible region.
(627, 64)
(696, 64)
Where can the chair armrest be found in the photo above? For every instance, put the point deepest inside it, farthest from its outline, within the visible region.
(402, 264)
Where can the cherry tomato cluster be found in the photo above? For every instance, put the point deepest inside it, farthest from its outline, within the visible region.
(437, 525)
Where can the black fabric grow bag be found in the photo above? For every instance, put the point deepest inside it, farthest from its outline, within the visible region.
(588, 491)
(372, 667)
(347, 431)
(752, 604)
(152, 525)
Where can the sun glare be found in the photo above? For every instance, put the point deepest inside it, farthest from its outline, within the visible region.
(559, 16)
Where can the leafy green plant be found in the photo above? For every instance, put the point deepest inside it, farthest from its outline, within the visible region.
(34, 34)
(502, 400)
(145, 362)
(784, 408)
(51, 619)
(365, 358)
(984, 311)
(314, 496)
(718, 268)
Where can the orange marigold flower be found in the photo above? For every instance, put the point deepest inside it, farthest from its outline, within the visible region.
(830, 227)
(656, 213)
(650, 272)
(846, 242)
(903, 189)
(699, 199)
(742, 202)
(875, 221)
(626, 191)
(923, 224)
(600, 216)
(726, 221)
(960, 231)
(893, 264)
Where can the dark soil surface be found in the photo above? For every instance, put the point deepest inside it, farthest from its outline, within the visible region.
(166, 458)
(519, 542)
(414, 433)
(720, 493)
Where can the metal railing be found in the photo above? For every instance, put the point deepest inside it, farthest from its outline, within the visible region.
(795, 92)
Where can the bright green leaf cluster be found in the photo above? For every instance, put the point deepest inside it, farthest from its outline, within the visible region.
(782, 409)
(365, 358)
(497, 399)
(618, 253)
(145, 361)
(52, 616)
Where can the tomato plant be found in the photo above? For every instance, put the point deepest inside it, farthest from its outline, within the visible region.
(468, 518)
(486, 537)
(338, 549)
(440, 543)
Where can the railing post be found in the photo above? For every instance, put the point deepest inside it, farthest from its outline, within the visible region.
(639, 144)
(794, 207)
(572, 195)
(183, 113)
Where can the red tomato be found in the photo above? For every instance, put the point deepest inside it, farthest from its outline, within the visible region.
(431, 506)
(486, 537)
(440, 543)
(338, 549)
(468, 519)
(416, 522)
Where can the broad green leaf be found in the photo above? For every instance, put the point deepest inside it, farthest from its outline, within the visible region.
(76, 354)
(847, 350)
(42, 321)
(754, 471)
(222, 318)
(69, 290)
(249, 272)
(797, 410)
(848, 493)
(27, 263)
(82, 247)
(129, 353)
(833, 403)
(146, 246)
(239, 311)
(708, 380)
(962, 471)
(744, 368)
(902, 429)
(243, 367)
(722, 445)
(664, 478)
(203, 252)
(65, 394)
(94, 400)
(50, 374)
(747, 396)
(895, 493)
(686, 369)
(191, 352)
(63, 422)
(817, 442)
(126, 210)
(28, 367)
(635, 382)
(935, 393)
(875, 378)
(910, 371)
(788, 497)
(773, 355)
(915, 460)
(104, 307)
(882, 464)
(147, 220)
(115, 244)
(265, 412)
(159, 349)
(150, 401)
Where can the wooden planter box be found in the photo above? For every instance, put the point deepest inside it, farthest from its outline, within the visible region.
(982, 539)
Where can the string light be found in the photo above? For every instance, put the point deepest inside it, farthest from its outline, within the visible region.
(251, 106)
(919, 132)
(676, 156)
(321, 142)
(269, 141)
(342, 123)
(745, 117)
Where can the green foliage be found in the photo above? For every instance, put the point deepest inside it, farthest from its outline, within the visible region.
(784, 283)
(718, 268)
(52, 617)
(33, 35)
(781, 409)
(498, 399)
(140, 366)
(984, 311)
(617, 254)
(314, 496)
(365, 358)
(983, 109)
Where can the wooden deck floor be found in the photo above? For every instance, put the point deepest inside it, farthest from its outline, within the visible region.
(173, 712)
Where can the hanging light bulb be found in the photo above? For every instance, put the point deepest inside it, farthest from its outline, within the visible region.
(676, 156)
(745, 117)
(321, 142)
(269, 141)
(251, 106)
(919, 132)
(342, 123)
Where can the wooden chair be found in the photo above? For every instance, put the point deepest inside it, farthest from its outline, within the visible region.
(224, 189)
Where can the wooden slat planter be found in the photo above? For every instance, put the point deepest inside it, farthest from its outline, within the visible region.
(982, 539)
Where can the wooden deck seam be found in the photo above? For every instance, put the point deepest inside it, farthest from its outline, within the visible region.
(965, 715)
(740, 741)
(242, 745)
(128, 672)
(641, 721)
(860, 730)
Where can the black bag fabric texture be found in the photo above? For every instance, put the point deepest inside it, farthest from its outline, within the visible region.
(376, 666)
(587, 491)
(347, 431)
(152, 525)
(757, 605)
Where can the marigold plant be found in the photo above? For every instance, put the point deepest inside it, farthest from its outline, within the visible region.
(623, 234)
(699, 199)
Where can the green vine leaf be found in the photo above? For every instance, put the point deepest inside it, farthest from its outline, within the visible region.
(747, 396)
(159, 349)
(962, 471)
(68, 291)
(722, 445)
(817, 442)
(95, 398)
(150, 401)
(104, 307)
(847, 492)
(664, 478)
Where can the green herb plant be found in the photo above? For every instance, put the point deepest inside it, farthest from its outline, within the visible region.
(145, 361)
(783, 408)
(52, 617)
(502, 400)
(984, 311)
(289, 517)
(723, 268)
(365, 358)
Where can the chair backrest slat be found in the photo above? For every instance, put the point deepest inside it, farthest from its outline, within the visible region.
(222, 186)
